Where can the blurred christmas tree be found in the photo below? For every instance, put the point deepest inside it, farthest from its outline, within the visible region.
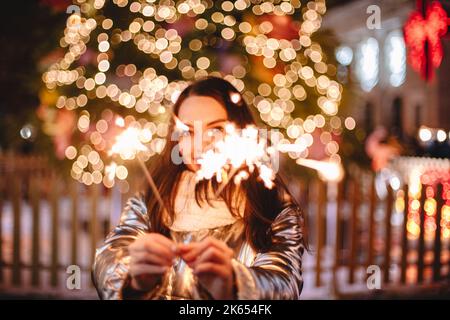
(123, 63)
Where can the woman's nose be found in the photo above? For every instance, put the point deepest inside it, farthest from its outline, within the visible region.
(199, 145)
(207, 140)
(204, 142)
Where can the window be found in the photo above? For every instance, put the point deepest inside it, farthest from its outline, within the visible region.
(367, 64)
(395, 58)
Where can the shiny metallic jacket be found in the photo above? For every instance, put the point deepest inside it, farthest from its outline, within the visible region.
(274, 274)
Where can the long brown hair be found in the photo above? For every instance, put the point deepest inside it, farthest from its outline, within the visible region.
(262, 204)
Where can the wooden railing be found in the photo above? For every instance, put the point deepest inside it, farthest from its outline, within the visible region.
(48, 223)
(363, 236)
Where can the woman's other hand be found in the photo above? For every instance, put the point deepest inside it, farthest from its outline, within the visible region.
(210, 260)
(151, 255)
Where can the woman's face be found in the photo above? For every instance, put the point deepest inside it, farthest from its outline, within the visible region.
(204, 120)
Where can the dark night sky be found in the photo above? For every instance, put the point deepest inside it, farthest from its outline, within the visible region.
(28, 31)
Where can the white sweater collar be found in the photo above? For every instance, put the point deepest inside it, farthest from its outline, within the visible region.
(189, 216)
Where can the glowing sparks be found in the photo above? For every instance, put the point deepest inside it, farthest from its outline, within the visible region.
(110, 171)
(128, 144)
(120, 122)
(179, 125)
(290, 147)
(267, 175)
(328, 170)
(237, 154)
(212, 164)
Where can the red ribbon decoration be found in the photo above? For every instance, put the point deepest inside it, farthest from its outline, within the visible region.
(423, 32)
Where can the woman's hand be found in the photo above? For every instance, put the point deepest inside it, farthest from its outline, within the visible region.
(151, 255)
(211, 261)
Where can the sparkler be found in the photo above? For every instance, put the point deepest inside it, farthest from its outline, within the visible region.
(328, 170)
(128, 146)
(110, 170)
(239, 153)
(179, 125)
(236, 155)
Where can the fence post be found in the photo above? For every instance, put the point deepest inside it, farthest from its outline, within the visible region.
(355, 196)
(338, 238)
(94, 223)
(421, 249)
(35, 263)
(55, 230)
(73, 191)
(437, 237)
(372, 207)
(404, 260)
(16, 202)
(387, 246)
(320, 232)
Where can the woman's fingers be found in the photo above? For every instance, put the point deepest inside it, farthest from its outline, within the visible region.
(190, 251)
(143, 269)
(151, 247)
(211, 254)
(160, 249)
(183, 247)
(211, 268)
(147, 257)
(150, 256)
(154, 244)
(142, 241)
(193, 251)
(165, 241)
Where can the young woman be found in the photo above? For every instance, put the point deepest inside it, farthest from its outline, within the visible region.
(247, 244)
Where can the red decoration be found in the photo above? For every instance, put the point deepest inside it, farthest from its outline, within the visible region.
(283, 27)
(423, 32)
(57, 5)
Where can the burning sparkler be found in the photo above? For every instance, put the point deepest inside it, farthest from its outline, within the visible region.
(129, 146)
(240, 152)
(328, 170)
(237, 155)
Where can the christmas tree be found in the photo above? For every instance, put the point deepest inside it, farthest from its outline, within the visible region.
(123, 63)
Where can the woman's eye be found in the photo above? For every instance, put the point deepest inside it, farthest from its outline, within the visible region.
(184, 133)
(213, 132)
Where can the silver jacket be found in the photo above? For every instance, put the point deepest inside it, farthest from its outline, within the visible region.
(273, 274)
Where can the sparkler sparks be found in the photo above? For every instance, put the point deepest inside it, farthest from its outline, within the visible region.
(237, 155)
(110, 171)
(240, 152)
(128, 145)
(179, 125)
(328, 170)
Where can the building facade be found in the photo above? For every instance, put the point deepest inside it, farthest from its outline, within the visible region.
(373, 56)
